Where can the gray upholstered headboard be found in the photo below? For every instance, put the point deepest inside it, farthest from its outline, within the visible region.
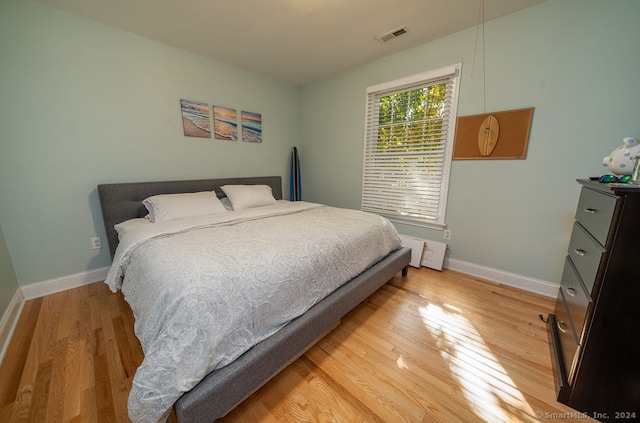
(123, 201)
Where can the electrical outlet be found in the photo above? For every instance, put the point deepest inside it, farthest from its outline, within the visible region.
(96, 243)
(446, 234)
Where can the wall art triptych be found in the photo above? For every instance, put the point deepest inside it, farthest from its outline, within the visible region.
(196, 121)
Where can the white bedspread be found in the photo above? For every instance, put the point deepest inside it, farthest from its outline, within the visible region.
(204, 290)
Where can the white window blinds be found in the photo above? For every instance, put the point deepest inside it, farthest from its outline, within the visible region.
(410, 125)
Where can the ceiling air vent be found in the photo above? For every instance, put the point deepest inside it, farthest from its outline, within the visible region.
(387, 36)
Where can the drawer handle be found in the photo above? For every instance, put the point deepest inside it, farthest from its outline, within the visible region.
(571, 291)
(590, 210)
(580, 252)
(562, 326)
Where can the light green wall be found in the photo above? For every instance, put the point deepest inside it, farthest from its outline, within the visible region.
(576, 62)
(83, 104)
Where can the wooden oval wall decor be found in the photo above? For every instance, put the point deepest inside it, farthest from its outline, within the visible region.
(493, 136)
(488, 135)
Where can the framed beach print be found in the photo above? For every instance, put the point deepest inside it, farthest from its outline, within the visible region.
(195, 119)
(251, 127)
(225, 123)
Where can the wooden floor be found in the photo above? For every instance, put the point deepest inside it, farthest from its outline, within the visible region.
(429, 347)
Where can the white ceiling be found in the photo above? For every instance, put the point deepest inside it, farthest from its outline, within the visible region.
(295, 41)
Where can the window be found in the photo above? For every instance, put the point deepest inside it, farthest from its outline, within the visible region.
(410, 124)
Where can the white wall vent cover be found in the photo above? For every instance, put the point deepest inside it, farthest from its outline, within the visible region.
(433, 256)
(425, 253)
(388, 36)
(417, 247)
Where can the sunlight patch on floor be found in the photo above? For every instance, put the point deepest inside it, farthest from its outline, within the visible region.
(489, 390)
(401, 363)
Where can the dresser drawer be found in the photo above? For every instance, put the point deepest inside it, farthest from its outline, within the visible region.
(566, 335)
(595, 213)
(576, 297)
(585, 253)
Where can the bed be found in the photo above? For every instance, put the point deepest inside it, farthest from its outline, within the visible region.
(219, 391)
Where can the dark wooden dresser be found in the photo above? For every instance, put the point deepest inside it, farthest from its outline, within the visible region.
(595, 328)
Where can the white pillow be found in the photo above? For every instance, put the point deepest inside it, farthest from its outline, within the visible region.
(248, 196)
(127, 225)
(176, 206)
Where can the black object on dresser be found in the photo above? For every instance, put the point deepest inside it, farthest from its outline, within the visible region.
(595, 328)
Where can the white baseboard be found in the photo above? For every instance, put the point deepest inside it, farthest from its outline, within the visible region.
(537, 286)
(9, 321)
(40, 289)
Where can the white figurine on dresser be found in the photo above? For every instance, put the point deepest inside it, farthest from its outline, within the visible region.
(621, 160)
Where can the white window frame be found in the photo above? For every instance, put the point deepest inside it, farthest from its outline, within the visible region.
(371, 180)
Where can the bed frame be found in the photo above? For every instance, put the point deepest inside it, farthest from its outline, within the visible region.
(223, 389)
